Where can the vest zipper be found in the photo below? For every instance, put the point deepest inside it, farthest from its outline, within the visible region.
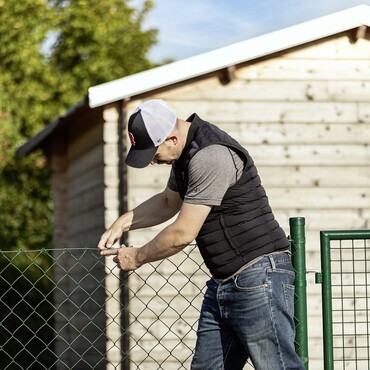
(228, 237)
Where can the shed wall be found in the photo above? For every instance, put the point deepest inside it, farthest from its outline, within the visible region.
(304, 116)
(83, 185)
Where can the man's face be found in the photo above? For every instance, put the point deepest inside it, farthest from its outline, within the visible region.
(166, 153)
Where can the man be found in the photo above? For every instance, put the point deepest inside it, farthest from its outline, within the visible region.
(247, 311)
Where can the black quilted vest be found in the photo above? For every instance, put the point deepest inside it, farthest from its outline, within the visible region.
(243, 226)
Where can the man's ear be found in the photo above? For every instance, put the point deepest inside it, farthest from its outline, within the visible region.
(174, 139)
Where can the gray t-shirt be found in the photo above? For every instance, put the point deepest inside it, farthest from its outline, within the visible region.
(211, 172)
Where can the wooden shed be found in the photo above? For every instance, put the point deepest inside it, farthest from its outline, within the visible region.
(298, 99)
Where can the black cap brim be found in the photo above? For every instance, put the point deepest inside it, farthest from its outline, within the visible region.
(140, 158)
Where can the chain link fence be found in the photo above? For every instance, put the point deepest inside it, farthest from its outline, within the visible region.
(73, 309)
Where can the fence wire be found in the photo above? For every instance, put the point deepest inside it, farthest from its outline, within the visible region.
(346, 299)
(73, 309)
(351, 299)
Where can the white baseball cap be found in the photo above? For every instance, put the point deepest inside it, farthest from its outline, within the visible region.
(148, 127)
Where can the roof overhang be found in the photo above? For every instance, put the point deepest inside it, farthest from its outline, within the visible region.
(230, 55)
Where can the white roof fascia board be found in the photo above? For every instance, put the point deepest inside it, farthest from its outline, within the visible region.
(230, 55)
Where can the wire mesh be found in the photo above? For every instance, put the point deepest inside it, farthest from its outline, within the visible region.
(350, 289)
(350, 302)
(73, 309)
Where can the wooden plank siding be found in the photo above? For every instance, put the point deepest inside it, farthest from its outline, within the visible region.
(85, 182)
(59, 184)
(113, 306)
(304, 116)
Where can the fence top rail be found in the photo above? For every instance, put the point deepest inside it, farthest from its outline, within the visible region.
(65, 249)
(41, 250)
(345, 234)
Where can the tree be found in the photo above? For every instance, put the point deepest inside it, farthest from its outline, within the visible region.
(24, 74)
(95, 41)
(98, 41)
(25, 93)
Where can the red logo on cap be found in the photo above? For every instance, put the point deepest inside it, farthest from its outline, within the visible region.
(132, 139)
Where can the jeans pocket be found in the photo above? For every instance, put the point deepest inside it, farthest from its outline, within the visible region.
(251, 280)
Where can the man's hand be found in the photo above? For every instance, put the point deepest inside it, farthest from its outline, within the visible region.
(111, 236)
(125, 258)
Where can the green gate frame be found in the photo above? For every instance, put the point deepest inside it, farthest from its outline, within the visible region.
(325, 278)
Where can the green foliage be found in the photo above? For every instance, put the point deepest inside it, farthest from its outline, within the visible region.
(24, 75)
(25, 204)
(26, 312)
(98, 40)
(94, 41)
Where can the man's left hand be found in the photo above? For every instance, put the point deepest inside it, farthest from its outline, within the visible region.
(125, 258)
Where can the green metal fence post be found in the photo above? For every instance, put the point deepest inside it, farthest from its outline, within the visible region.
(327, 301)
(298, 243)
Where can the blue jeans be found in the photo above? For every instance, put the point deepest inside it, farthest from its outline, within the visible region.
(249, 317)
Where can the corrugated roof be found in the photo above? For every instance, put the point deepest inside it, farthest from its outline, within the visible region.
(209, 62)
(230, 55)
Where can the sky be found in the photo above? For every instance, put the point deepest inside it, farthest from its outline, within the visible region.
(191, 27)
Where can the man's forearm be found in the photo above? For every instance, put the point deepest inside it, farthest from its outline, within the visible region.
(152, 212)
(168, 242)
